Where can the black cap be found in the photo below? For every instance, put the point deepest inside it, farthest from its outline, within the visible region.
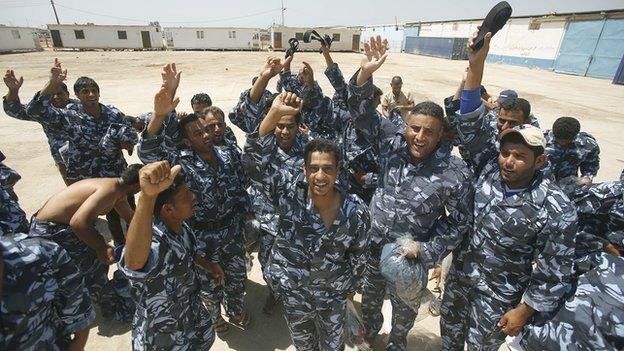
(493, 22)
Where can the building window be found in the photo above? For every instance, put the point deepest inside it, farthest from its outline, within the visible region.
(533, 25)
(336, 37)
(232, 34)
(455, 26)
(256, 36)
(16, 34)
(299, 36)
(79, 34)
(122, 34)
(200, 34)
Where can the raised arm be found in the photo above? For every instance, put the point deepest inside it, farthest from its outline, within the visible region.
(40, 107)
(151, 146)
(271, 68)
(82, 224)
(11, 102)
(154, 178)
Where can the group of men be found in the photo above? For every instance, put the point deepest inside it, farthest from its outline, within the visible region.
(324, 183)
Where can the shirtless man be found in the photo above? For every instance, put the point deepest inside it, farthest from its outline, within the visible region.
(68, 218)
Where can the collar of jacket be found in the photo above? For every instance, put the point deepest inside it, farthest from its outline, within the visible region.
(536, 193)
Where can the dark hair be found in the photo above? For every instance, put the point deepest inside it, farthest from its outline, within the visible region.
(64, 87)
(130, 175)
(214, 110)
(201, 98)
(517, 104)
(83, 83)
(166, 196)
(566, 128)
(397, 79)
(518, 139)
(376, 91)
(431, 109)
(321, 145)
(191, 117)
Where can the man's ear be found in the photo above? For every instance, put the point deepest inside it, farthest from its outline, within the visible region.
(540, 161)
(186, 142)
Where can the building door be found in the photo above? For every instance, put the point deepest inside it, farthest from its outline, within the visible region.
(355, 43)
(147, 42)
(56, 38)
(592, 48)
(277, 40)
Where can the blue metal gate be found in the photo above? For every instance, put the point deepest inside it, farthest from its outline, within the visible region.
(592, 48)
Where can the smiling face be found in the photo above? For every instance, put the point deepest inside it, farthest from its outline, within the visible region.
(198, 136)
(423, 133)
(321, 170)
(60, 98)
(286, 131)
(89, 96)
(216, 126)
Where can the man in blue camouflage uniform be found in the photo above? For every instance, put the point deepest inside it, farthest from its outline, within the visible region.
(591, 319)
(97, 133)
(12, 217)
(255, 102)
(14, 108)
(317, 113)
(44, 304)
(68, 218)
(520, 217)
(286, 153)
(216, 176)
(571, 153)
(424, 192)
(162, 262)
(319, 252)
(600, 209)
(360, 157)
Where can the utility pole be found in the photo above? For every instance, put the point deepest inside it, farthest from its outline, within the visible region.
(55, 14)
(283, 9)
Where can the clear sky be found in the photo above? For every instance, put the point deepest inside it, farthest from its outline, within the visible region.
(255, 13)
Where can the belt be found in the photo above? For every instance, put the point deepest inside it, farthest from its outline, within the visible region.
(215, 225)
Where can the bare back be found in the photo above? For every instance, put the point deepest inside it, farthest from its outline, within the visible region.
(62, 206)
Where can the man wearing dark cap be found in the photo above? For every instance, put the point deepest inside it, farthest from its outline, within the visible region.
(520, 217)
(571, 153)
(396, 99)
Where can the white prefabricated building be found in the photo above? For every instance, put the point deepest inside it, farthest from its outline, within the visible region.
(18, 39)
(91, 36)
(212, 38)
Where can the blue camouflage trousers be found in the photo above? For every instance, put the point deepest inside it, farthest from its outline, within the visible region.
(373, 294)
(264, 250)
(315, 318)
(231, 258)
(468, 315)
(113, 295)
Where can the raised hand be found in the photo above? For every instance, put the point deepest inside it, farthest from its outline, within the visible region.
(374, 56)
(478, 57)
(57, 73)
(306, 75)
(164, 102)
(286, 104)
(106, 255)
(12, 82)
(272, 67)
(156, 177)
(171, 78)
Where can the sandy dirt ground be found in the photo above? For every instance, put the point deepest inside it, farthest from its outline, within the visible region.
(128, 80)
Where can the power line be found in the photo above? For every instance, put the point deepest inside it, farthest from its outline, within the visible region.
(182, 22)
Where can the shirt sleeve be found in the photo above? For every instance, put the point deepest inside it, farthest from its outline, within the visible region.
(591, 163)
(552, 274)
(451, 229)
(15, 109)
(152, 267)
(247, 115)
(40, 109)
(154, 148)
(470, 100)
